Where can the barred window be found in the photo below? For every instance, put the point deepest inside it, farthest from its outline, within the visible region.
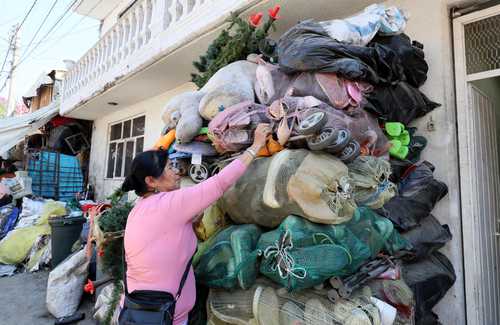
(126, 140)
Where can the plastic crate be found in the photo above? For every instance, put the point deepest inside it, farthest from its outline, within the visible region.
(55, 175)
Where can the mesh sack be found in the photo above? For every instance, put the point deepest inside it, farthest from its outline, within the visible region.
(370, 179)
(265, 304)
(221, 266)
(243, 242)
(312, 185)
(377, 232)
(231, 307)
(305, 233)
(304, 267)
(300, 254)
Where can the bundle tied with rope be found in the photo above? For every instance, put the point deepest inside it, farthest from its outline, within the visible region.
(300, 254)
(370, 179)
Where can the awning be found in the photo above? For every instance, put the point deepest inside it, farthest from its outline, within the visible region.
(14, 129)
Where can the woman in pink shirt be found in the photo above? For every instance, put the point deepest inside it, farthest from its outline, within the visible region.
(159, 237)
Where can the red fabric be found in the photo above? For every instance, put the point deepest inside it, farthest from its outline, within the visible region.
(60, 120)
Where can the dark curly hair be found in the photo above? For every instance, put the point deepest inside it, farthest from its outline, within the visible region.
(149, 163)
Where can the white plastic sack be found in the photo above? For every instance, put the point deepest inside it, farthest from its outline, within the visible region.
(361, 28)
(31, 207)
(65, 285)
(103, 304)
(18, 187)
(27, 221)
(30, 212)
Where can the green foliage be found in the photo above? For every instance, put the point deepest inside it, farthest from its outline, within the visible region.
(114, 220)
(234, 43)
(115, 299)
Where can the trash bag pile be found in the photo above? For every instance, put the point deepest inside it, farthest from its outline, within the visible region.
(333, 222)
(26, 232)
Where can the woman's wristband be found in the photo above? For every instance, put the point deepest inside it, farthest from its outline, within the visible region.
(251, 152)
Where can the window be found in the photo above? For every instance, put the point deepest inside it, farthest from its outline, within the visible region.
(126, 140)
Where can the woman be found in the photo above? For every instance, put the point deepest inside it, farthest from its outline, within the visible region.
(159, 237)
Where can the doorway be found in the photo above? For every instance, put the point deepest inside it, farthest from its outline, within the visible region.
(477, 73)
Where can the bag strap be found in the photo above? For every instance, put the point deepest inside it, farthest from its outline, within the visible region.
(124, 263)
(184, 278)
(181, 285)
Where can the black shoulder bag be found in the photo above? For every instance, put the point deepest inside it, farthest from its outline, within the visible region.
(149, 307)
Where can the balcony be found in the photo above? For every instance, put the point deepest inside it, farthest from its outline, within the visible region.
(151, 47)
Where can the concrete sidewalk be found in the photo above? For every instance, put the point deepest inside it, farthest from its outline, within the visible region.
(22, 301)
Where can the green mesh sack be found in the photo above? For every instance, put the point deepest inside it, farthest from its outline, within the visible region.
(376, 231)
(243, 242)
(221, 265)
(300, 254)
(302, 267)
(305, 233)
(370, 180)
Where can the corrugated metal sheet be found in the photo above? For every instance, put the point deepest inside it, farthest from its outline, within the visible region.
(486, 182)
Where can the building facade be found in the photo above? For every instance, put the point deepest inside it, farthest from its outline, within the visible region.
(144, 57)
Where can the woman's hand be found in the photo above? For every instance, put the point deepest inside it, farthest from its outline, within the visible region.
(260, 136)
(259, 141)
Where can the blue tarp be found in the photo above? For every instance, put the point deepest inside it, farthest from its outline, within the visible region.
(9, 223)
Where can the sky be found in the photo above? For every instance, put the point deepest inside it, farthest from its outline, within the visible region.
(70, 39)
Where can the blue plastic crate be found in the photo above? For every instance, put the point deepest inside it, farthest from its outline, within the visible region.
(55, 175)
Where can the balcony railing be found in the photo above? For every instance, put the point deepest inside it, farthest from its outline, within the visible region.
(148, 30)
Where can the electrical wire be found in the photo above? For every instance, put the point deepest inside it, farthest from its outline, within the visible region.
(26, 16)
(43, 39)
(13, 38)
(55, 40)
(5, 61)
(41, 25)
(48, 32)
(5, 83)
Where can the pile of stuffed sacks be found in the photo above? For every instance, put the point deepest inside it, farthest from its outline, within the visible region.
(25, 236)
(333, 224)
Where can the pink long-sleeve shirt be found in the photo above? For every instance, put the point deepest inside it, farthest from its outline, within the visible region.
(159, 237)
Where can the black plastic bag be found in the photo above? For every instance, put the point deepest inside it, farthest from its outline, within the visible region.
(418, 193)
(308, 47)
(428, 237)
(411, 55)
(399, 103)
(429, 279)
(399, 168)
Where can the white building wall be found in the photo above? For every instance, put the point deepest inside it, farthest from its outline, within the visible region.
(151, 108)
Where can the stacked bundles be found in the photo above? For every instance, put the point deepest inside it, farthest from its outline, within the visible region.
(323, 217)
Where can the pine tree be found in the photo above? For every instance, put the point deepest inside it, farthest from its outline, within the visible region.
(235, 43)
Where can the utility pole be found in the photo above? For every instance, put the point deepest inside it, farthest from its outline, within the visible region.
(14, 45)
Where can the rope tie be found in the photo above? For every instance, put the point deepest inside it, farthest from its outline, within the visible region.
(283, 261)
(381, 188)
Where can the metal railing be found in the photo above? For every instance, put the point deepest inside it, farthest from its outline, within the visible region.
(148, 30)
